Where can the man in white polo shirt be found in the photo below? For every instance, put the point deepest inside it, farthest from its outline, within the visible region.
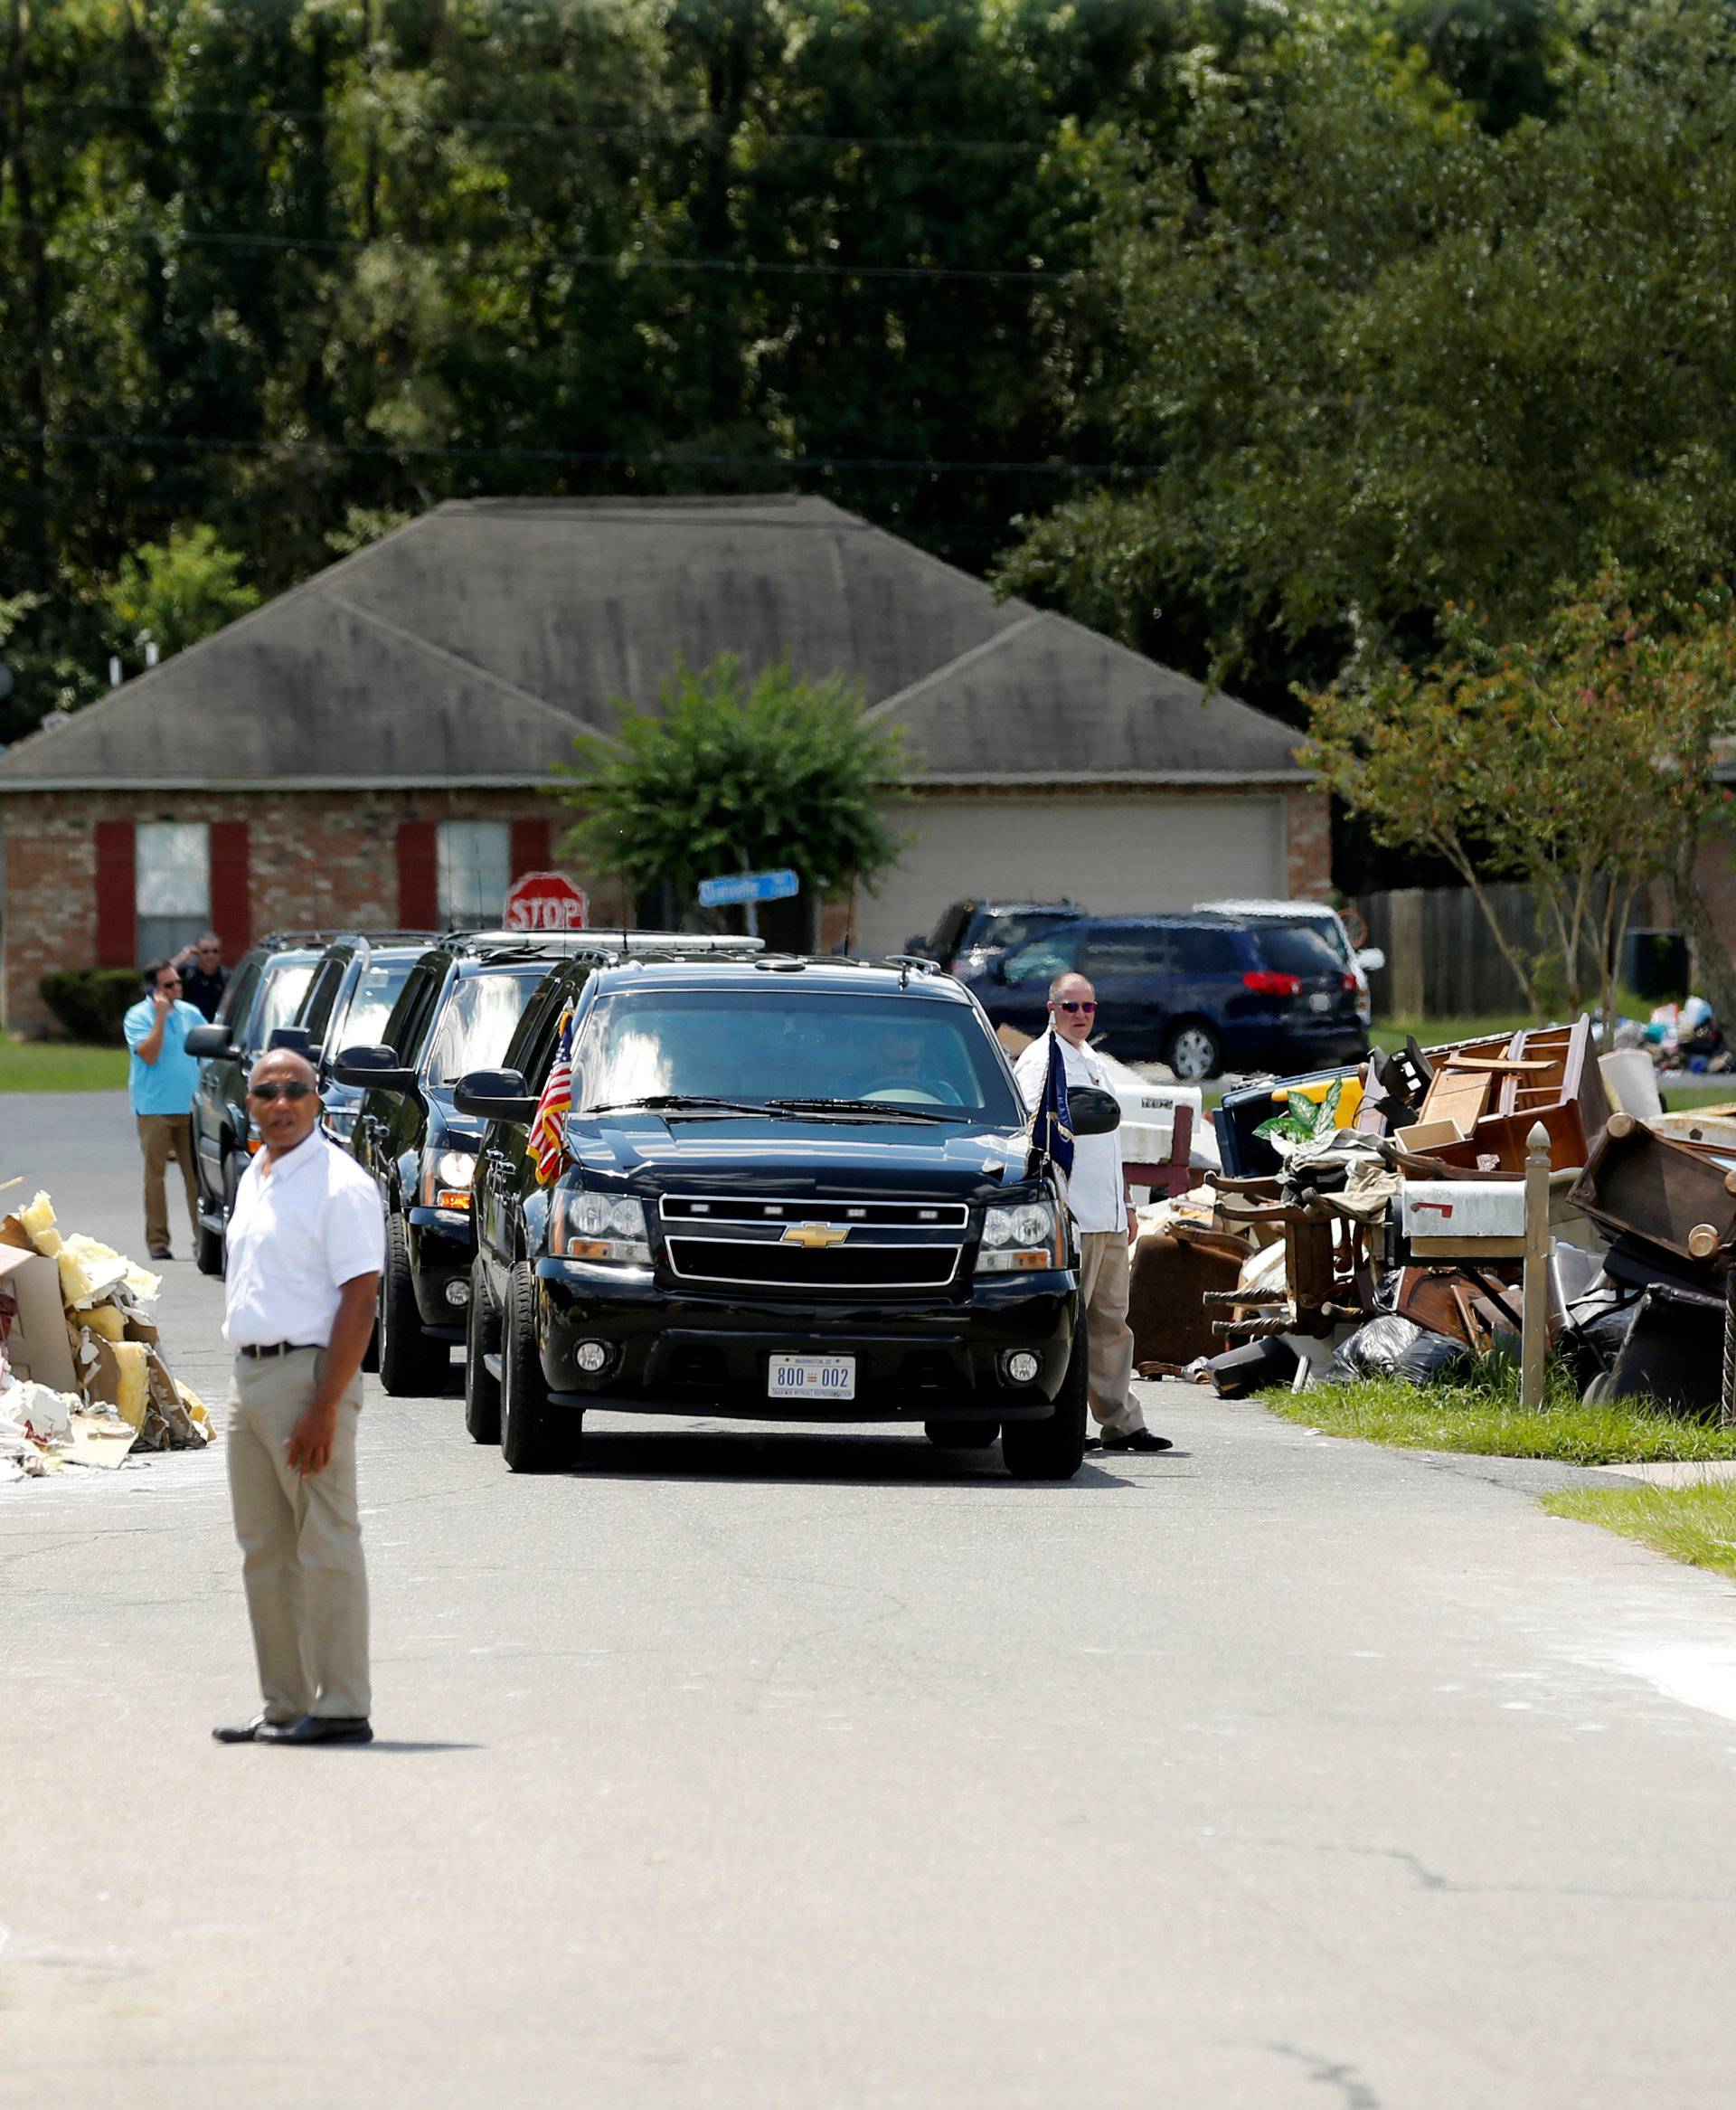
(307, 1242)
(1097, 1198)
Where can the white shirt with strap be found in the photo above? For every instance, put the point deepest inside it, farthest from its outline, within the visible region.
(304, 1225)
(1096, 1192)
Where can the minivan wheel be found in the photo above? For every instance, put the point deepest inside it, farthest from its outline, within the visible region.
(1193, 1051)
(1055, 1449)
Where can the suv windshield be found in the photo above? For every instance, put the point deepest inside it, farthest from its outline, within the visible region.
(285, 987)
(376, 991)
(1289, 949)
(479, 1020)
(761, 1045)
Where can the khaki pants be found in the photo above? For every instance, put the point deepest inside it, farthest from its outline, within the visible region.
(163, 1136)
(1104, 1282)
(301, 1542)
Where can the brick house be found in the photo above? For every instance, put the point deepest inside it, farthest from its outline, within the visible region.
(373, 748)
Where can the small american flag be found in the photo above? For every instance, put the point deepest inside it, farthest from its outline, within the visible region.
(548, 1138)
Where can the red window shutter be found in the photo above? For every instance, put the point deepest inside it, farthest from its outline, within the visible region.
(116, 895)
(418, 876)
(230, 913)
(532, 848)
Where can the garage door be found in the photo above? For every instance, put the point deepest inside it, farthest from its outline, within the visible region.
(1114, 856)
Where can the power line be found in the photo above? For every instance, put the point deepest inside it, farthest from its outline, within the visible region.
(741, 266)
(680, 134)
(600, 457)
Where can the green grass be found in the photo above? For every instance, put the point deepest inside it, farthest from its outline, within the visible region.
(1484, 1417)
(1691, 1524)
(47, 1066)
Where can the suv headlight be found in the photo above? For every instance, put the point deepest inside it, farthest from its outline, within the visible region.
(447, 1179)
(1024, 1237)
(585, 1225)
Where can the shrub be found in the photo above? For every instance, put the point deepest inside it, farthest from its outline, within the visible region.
(91, 1001)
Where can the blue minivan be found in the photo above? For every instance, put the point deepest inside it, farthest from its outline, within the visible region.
(1201, 993)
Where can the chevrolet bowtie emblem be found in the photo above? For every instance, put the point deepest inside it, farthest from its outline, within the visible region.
(816, 1234)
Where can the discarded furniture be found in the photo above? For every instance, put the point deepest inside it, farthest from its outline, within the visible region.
(1678, 1195)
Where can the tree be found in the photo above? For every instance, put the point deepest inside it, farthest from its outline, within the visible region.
(738, 775)
(178, 592)
(1578, 761)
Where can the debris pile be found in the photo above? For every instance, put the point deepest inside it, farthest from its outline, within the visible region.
(1373, 1221)
(82, 1376)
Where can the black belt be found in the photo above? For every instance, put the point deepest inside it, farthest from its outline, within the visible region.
(255, 1350)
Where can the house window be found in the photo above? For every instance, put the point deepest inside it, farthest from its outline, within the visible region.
(475, 858)
(172, 885)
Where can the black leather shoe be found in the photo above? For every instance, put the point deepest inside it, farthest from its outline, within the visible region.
(1140, 1440)
(320, 1729)
(251, 1732)
(161, 1253)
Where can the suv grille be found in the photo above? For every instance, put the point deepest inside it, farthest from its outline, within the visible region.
(797, 1267)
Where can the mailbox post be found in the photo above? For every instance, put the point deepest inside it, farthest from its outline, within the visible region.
(1533, 1338)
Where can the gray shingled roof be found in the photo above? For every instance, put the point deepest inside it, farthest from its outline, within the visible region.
(473, 643)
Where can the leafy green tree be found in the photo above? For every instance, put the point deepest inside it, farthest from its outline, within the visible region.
(1579, 760)
(739, 774)
(178, 592)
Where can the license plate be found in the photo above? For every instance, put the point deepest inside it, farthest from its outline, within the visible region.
(1319, 1001)
(812, 1378)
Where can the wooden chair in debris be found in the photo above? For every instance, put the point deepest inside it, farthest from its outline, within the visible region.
(1173, 1175)
(1328, 1277)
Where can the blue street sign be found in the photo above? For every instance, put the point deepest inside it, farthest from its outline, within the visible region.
(747, 886)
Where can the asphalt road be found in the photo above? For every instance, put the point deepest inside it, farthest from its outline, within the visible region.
(749, 1769)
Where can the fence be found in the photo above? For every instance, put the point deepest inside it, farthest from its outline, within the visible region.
(1441, 960)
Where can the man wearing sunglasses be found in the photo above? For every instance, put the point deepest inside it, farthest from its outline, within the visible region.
(203, 976)
(305, 1244)
(1097, 1194)
(162, 1078)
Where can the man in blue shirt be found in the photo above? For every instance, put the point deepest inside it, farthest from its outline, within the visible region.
(162, 1080)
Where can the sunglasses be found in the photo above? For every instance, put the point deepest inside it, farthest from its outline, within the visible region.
(295, 1089)
(1074, 1004)
(170, 982)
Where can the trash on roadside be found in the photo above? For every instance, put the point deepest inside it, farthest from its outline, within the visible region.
(82, 1376)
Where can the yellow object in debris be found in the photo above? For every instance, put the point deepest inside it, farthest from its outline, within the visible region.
(107, 1319)
(38, 1220)
(88, 1269)
(1350, 1097)
(195, 1405)
(134, 1384)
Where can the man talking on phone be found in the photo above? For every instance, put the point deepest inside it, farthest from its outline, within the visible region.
(305, 1244)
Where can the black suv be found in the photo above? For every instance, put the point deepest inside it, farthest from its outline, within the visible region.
(456, 1012)
(1201, 993)
(265, 992)
(359, 978)
(792, 1190)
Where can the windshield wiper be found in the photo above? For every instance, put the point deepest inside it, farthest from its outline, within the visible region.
(891, 1109)
(677, 1101)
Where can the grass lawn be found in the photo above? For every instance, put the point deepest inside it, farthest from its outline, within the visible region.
(1695, 1524)
(1486, 1419)
(47, 1066)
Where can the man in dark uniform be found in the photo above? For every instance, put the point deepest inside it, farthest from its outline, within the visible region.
(203, 976)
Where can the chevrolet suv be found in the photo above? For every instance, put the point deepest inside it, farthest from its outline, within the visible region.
(788, 1189)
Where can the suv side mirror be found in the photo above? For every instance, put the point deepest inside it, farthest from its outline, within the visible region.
(374, 1067)
(209, 1041)
(1095, 1112)
(494, 1095)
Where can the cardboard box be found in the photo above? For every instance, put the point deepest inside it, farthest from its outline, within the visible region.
(37, 1347)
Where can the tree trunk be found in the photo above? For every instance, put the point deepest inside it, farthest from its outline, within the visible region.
(1694, 919)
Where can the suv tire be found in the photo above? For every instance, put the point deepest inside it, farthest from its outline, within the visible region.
(410, 1363)
(1193, 1051)
(530, 1441)
(208, 1249)
(1055, 1449)
(481, 1390)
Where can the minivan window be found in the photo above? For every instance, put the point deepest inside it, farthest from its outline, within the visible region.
(1198, 949)
(1287, 949)
(1144, 949)
(479, 1019)
(1011, 931)
(950, 930)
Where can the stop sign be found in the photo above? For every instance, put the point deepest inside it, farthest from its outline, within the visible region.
(545, 901)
